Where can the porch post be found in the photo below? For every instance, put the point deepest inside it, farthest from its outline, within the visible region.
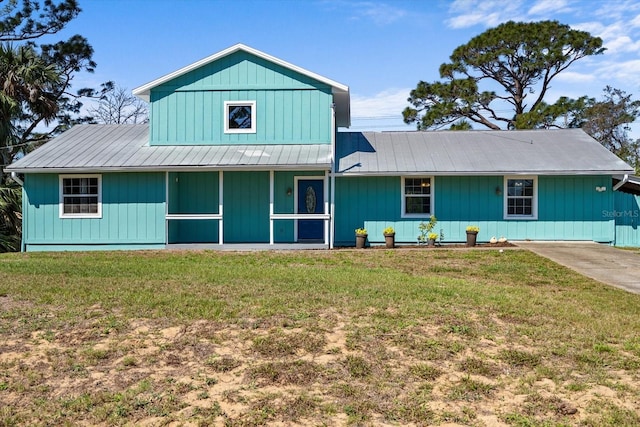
(327, 223)
(332, 196)
(166, 207)
(220, 207)
(271, 187)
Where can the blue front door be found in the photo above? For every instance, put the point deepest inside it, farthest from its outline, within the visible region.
(310, 200)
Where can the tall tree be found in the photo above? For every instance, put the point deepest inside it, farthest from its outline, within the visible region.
(27, 93)
(119, 106)
(608, 121)
(520, 58)
(29, 19)
(36, 90)
(30, 124)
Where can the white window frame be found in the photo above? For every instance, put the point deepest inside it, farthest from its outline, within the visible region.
(225, 116)
(62, 196)
(403, 213)
(534, 198)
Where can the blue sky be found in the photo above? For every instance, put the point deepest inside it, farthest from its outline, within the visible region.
(380, 49)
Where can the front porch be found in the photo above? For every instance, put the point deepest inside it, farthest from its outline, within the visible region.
(248, 209)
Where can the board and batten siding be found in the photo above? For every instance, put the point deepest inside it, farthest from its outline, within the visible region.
(569, 208)
(290, 108)
(626, 215)
(132, 214)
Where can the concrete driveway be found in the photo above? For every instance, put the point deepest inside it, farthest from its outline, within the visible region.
(613, 266)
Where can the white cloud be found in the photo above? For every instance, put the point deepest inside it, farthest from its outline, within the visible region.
(471, 19)
(614, 9)
(547, 7)
(622, 44)
(626, 71)
(574, 77)
(489, 13)
(386, 103)
(380, 13)
(382, 111)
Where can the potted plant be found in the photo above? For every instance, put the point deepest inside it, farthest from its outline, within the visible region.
(361, 237)
(389, 237)
(472, 234)
(431, 238)
(425, 228)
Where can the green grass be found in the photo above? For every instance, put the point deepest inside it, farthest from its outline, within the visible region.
(397, 336)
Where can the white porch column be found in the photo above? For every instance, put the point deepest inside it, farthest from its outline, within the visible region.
(327, 222)
(220, 207)
(332, 220)
(271, 191)
(166, 207)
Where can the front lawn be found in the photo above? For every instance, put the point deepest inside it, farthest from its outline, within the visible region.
(370, 337)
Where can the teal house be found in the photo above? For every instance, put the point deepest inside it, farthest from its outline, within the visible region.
(245, 149)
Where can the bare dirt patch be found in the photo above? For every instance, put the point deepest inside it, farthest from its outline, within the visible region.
(204, 373)
(374, 337)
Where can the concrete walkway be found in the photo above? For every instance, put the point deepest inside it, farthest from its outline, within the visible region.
(613, 266)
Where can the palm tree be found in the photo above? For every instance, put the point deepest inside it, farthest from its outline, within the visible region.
(26, 83)
(10, 218)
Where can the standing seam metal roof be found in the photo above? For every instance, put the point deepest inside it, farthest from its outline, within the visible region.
(91, 148)
(535, 152)
(87, 148)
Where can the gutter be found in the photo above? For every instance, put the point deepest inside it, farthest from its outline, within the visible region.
(624, 180)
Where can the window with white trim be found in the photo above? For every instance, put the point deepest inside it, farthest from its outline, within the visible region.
(80, 196)
(416, 196)
(521, 197)
(239, 117)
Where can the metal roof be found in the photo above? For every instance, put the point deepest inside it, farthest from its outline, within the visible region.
(340, 92)
(535, 152)
(91, 148)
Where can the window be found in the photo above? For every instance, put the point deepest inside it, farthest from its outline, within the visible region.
(416, 196)
(80, 196)
(521, 197)
(239, 117)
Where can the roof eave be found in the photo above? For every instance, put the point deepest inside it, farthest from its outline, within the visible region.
(323, 166)
(484, 173)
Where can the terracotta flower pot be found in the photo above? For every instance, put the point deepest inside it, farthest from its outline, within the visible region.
(361, 240)
(471, 238)
(390, 240)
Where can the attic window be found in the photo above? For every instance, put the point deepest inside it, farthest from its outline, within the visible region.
(240, 117)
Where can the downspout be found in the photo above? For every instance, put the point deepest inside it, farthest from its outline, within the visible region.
(16, 178)
(333, 177)
(625, 179)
